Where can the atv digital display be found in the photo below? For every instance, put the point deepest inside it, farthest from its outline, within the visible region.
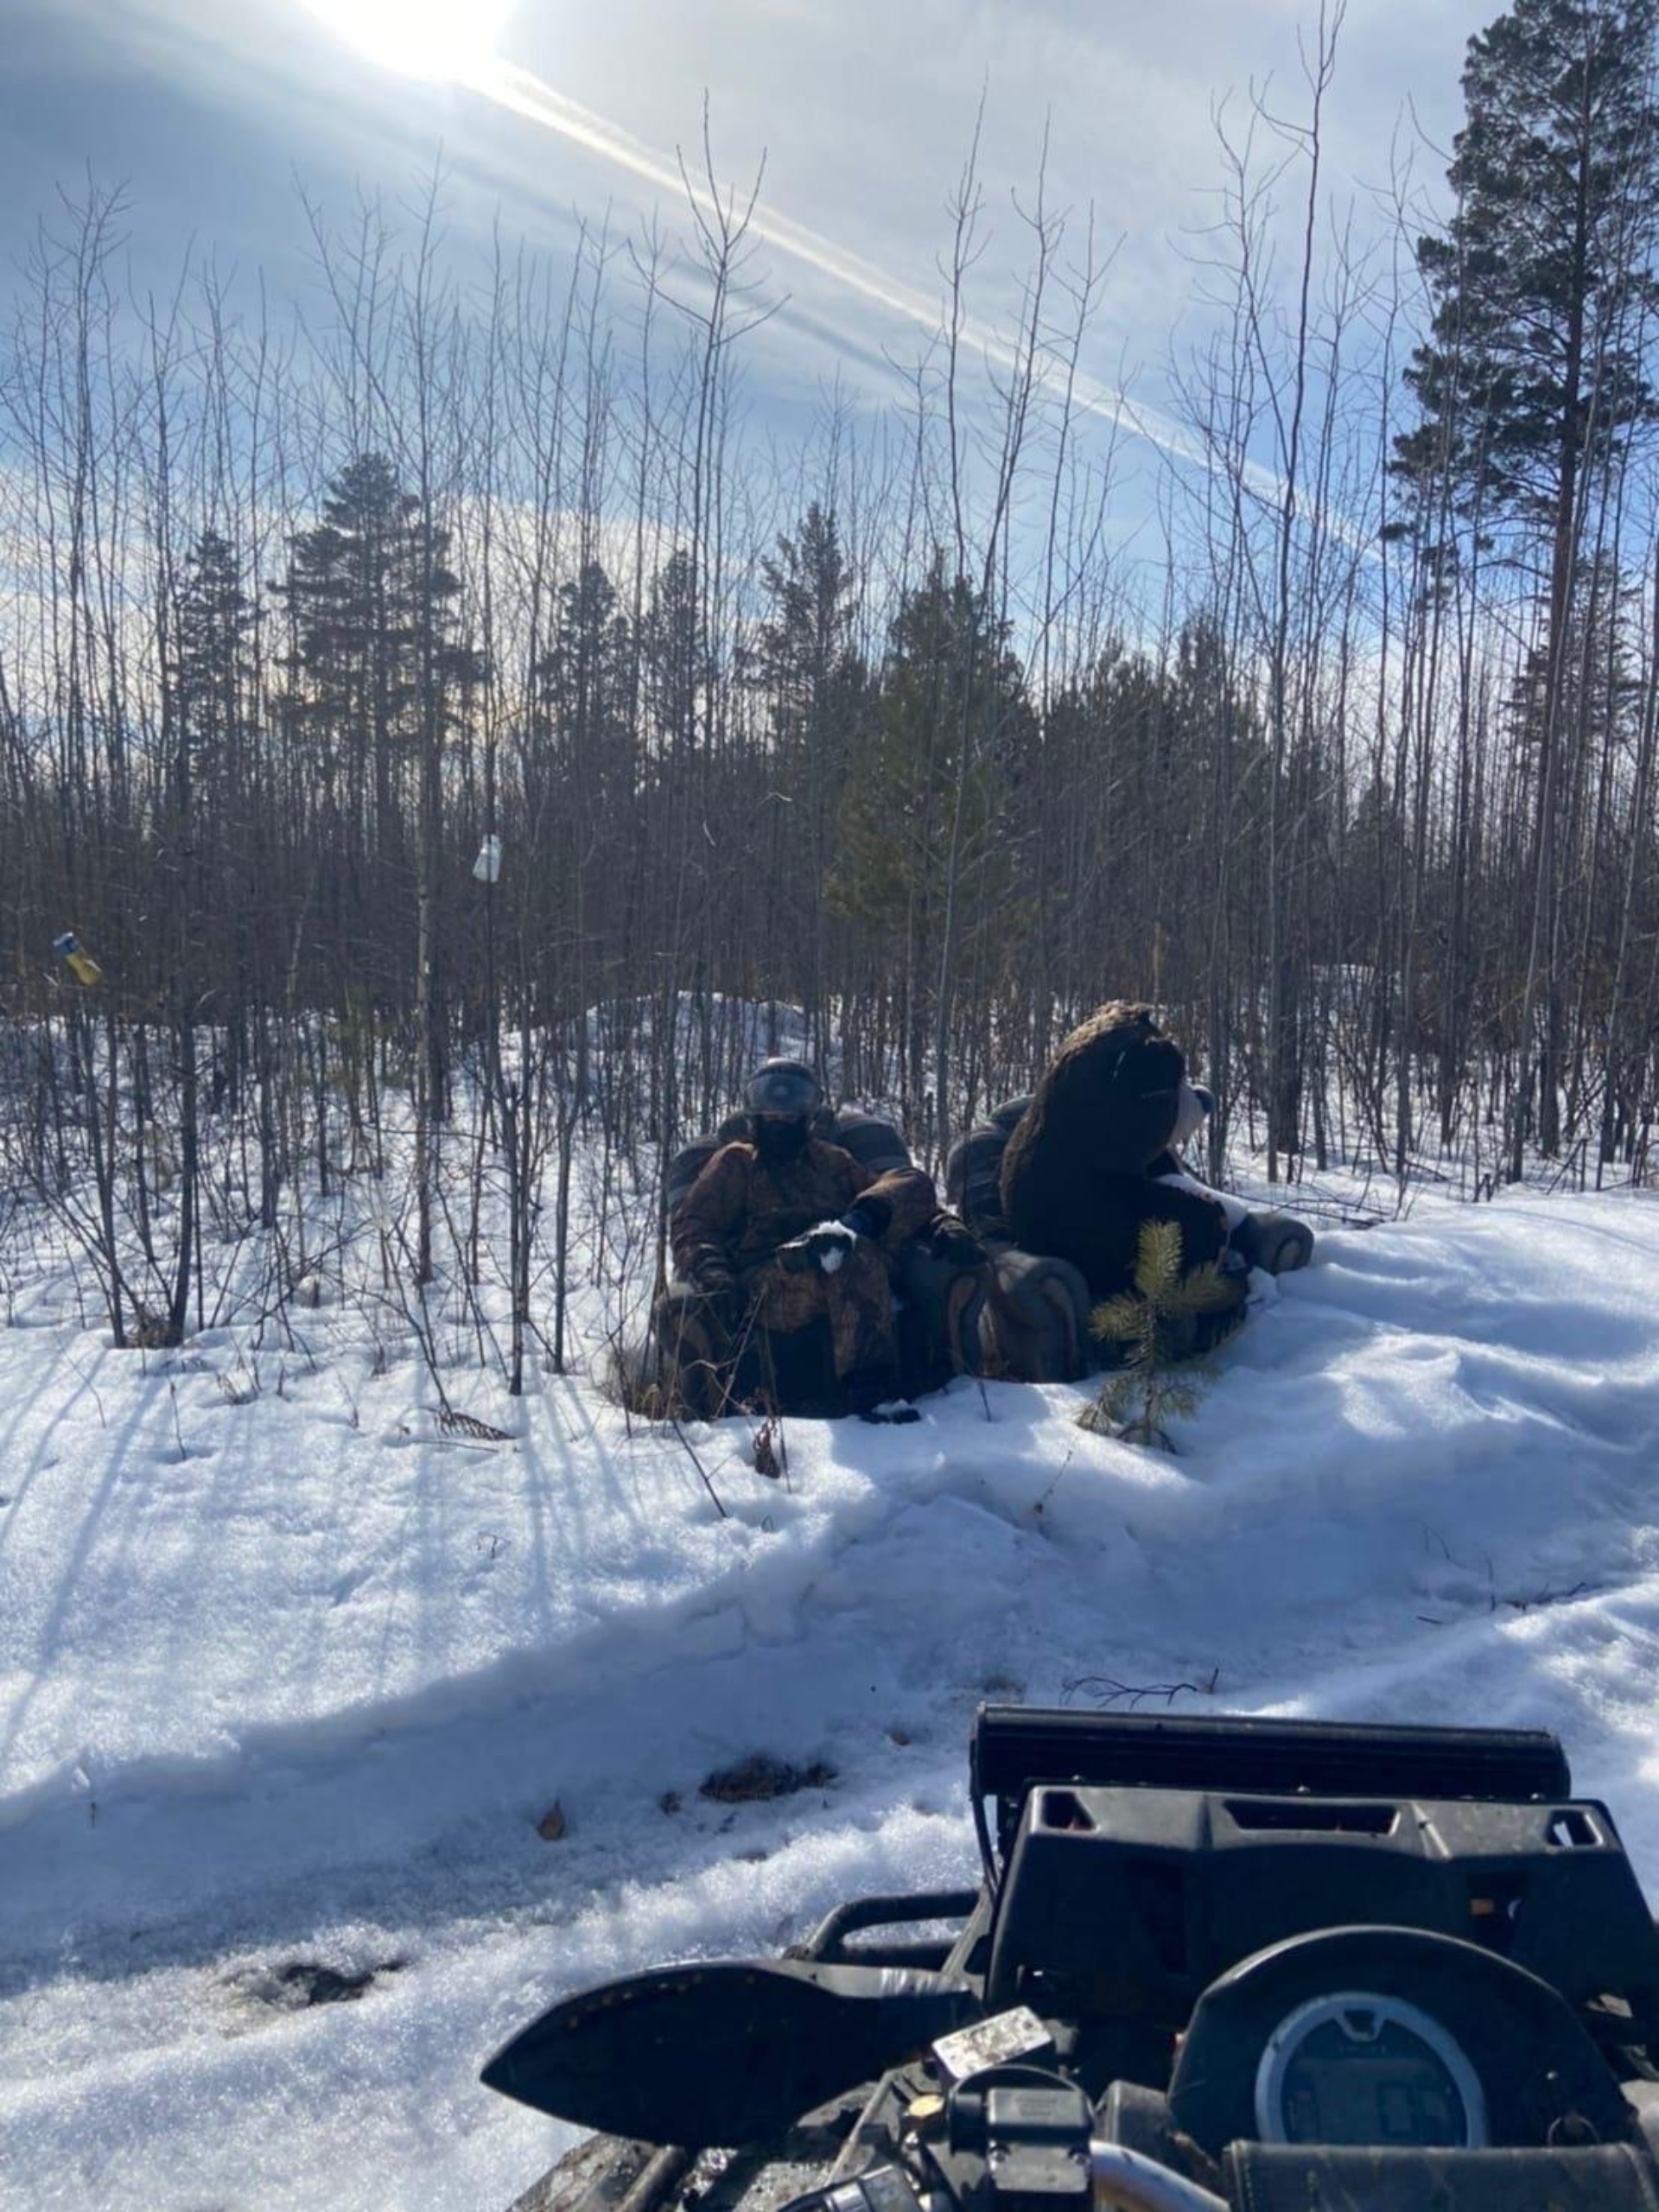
(1365, 2070)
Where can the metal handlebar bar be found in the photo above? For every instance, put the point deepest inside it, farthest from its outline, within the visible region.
(1125, 2182)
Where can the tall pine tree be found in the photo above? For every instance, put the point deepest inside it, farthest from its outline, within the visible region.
(581, 775)
(1532, 374)
(806, 667)
(375, 665)
(1532, 378)
(927, 816)
(378, 679)
(211, 625)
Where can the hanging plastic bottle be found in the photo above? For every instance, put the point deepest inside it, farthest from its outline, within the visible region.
(487, 866)
(82, 965)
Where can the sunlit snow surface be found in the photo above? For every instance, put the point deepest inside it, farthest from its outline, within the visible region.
(294, 1679)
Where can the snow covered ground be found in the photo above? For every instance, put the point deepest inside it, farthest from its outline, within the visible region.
(290, 1683)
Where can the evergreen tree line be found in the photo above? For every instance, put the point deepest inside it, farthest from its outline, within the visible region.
(1354, 778)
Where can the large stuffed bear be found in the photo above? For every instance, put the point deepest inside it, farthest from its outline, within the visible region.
(1091, 1158)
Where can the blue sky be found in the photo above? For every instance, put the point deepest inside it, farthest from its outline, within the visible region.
(207, 111)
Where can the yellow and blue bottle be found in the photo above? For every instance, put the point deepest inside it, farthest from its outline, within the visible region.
(82, 965)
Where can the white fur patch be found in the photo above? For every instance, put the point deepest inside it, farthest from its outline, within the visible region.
(1189, 1117)
(835, 1241)
(1235, 1208)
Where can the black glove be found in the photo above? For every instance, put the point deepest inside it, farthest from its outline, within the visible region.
(868, 1216)
(713, 1275)
(953, 1240)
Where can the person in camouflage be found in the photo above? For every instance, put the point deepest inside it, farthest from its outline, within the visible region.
(783, 1227)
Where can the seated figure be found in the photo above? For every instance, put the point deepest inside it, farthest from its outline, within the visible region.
(1090, 1161)
(783, 1229)
(1057, 1185)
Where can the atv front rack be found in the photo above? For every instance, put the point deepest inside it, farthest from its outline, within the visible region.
(1012, 1750)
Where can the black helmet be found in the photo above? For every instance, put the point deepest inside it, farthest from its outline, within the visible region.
(787, 1089)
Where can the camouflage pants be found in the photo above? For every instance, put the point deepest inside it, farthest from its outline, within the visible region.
(857, 1299)
(694, 1341)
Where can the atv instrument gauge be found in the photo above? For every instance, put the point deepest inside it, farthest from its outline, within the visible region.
(1357, 2068)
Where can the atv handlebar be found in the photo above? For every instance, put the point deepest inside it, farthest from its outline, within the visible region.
(1125, 2182)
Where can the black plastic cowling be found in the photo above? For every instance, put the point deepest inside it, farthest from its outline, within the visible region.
(1014, 1747)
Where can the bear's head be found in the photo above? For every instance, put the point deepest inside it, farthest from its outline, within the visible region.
(1116, 1089)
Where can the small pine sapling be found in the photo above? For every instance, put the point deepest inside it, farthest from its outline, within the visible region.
(1149, 1324)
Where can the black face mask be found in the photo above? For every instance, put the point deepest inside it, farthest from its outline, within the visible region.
(777, 1140)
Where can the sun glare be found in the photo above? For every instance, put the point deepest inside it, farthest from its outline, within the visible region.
(443, 40)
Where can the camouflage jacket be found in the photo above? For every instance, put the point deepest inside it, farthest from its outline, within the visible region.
(743, 1210)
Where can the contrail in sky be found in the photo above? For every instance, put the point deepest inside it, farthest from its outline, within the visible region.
(524, 94)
